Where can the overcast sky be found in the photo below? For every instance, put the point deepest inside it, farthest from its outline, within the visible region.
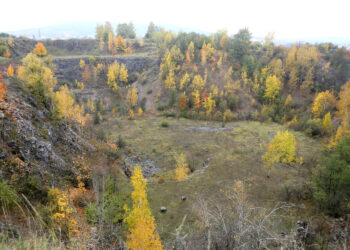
(287, 18)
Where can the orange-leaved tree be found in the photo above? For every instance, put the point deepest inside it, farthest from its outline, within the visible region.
(142, 228)
(2, 91)
(40, 49)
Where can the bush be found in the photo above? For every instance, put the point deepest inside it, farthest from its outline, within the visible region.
(314, 128)
(91, 213)
(114, 155)
(160, 180)
(218, 116)
(161, 107)
(232, 102)
(101, 135)
(32, 188)
(164, 124)
(120, 142)
(170, 113)
(8, 196)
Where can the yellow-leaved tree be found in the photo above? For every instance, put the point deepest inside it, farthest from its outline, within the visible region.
(37, 76)
(140, 111)
(197, 82)
(343, 106)
(281, 149)
(169, 82)
(66, 108)
(82, 63)
(123, 73)
(181, 170)
(190, 52)
(132, 97)
(324, 102)
(40, 49)
(113, 75)
(273, 87)
(142, 228)
(327, 123)
(185, 80)
(62, 212)
(208, 104)
(10, 71)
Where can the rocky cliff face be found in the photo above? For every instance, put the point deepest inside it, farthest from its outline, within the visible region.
(30, 143)
(68, 68)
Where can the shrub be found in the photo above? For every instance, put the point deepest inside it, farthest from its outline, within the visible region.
(161, 107)
(8, 196)
(218, 116)
(32, 188)
(170, 113)
(120, 142)
(314, 128)
(114, 155)
(164, 124)
(91, 213)
(161, 179)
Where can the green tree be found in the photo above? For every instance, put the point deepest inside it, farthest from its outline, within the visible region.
(126, 30)
(332, 180)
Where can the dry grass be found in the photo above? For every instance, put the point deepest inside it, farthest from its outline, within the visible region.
(236, 155)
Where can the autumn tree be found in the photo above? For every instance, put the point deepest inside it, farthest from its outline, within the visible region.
(197, 82)
(132, 97)
(10, 71)
(38, 77)
(140, 111)
(185, 80)
(273, 87)
(7, 53)
(169, 82)
(141, 226)
(62, 212)
(113, 76)
(288, 100)
(2, 91)
(181, 170)
(82, 64)
(101, 44)
(190, 52)
(123, 73)
(10, 42)
(208, 104)
(197, 99)
(327, 123)
(40, 49)
(110, 42)
(120, 44)
(281, 149)
(87, 74)
(343, 106)
(323, 103)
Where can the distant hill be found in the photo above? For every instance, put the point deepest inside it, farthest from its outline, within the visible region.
(85, 30)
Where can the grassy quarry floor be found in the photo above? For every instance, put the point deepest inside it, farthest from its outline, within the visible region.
(235, 154)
